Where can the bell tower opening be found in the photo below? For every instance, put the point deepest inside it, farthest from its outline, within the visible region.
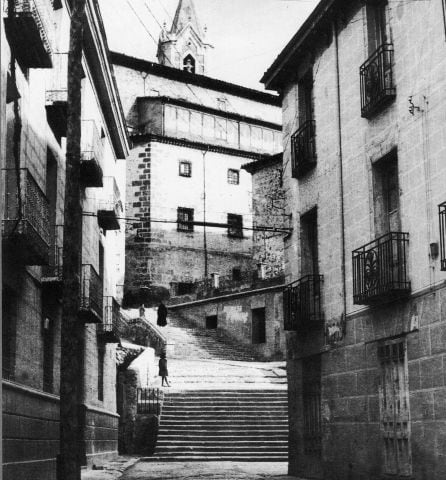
(189, 64)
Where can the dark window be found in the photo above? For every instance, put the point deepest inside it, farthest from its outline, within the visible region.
(308, 241)
(48, 354)
(185, 288)
(184, 218)
(211, 322)
(305, 98)
(101, 358)
(233, 176)
(235, 225)
(236, 274)
(189, 64)
(258, 326)
(9, 322)
(377, 34)
(386, 195)
(101, 260)
(185, 169)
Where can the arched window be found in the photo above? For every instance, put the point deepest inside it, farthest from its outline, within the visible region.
(189, 63)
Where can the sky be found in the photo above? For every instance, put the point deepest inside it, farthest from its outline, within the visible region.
(247, 35)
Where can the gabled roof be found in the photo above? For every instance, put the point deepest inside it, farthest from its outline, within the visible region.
(184, 15)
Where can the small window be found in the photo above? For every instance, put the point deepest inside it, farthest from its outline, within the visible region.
(189, 64)
(185, 169)
(233, 176)
(185, 217)
(236, 274)
(235, 225)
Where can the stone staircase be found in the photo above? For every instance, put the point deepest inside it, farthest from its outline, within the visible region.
(230, 425)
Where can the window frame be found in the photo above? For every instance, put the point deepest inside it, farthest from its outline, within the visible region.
(233, 171)
(183, 225)
(185, 174)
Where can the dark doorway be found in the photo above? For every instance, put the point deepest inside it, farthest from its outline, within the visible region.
(211, 322)
(258, 326)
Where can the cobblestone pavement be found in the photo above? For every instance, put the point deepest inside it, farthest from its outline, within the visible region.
(208, 471)
(110, 471)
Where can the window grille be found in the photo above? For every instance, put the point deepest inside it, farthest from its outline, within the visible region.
(233, 176)
(185, 169)
(185, 217)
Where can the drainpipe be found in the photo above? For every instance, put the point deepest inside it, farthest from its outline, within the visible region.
(341, 173)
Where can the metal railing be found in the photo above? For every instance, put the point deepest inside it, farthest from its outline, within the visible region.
(149, 401)
(302, 303)
(303, 149)
(110, 324)
(111, 196)
(442, 219)
(91, 144)
(57, 86)
(377, 82)
(26, 210)
(380, 269)
(53, 271)
(91, 292)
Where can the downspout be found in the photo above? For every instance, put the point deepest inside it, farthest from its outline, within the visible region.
(341, 177)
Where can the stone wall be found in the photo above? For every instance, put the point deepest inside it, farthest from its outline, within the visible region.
(235, 318)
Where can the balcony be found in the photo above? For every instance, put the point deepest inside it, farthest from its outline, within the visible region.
(380, 270)
(91, 308)
(107, 331)
(52, 273)
(442, 218)
(110, 207)
(56, 98)
(26, 218)
(377, 83)
(302, 303)
(303, 149)
(30, 30)
(91, 155)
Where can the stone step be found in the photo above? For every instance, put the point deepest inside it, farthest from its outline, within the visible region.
(231, 436)
(220, 449)
(197, 457)
(226, 429)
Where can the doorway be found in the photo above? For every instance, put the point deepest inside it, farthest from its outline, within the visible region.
(211, 322)
(258, 326)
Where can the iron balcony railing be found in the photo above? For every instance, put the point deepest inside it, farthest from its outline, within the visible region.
(91, 154)
(108, 330)
(377, 82)
(303, 149)
(302, 303)
(26, 217)
(149, 401)
(52, 273)
(442, 218)
(380, 269)
(91, 308)
(110, 206)
(31, 29)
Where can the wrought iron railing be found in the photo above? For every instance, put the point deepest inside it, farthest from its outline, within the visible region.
(149, 401)
(302, 303)
(91, 144)
(53, 271)
(109, 327)
(442, 218)
(377, 82)
(303, 149)
(26, 215)
(32, 27)
(110, 206)
(91, 294)
(380, 269)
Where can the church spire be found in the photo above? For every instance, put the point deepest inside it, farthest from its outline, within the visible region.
(184, 46)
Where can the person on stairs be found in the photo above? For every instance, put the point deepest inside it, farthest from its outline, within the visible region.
(163, 373)
(162, 315)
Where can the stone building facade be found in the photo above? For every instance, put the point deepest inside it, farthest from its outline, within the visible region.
(364, 174)
(34, 59)
(191, 136)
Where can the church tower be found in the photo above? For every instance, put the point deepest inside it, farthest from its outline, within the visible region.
(184, 46)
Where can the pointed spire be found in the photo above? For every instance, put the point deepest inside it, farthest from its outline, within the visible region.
(185, 14)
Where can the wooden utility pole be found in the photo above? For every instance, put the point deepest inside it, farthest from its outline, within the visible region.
(72, 329)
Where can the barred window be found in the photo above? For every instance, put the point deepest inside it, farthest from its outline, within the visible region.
(185, 217)
(185, 168)
(235, 225)
(233, 176)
